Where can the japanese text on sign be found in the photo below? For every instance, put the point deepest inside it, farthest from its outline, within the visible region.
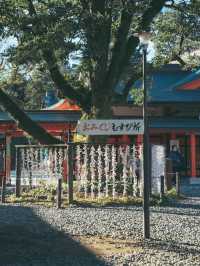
(110, 127)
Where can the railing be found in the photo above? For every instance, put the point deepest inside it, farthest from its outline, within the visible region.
(98, 170)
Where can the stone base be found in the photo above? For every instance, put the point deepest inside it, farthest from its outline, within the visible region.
(194, 180)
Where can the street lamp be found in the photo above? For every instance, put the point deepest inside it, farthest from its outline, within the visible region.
(144, 38)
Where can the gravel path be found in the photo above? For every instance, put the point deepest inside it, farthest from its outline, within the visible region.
(34, 235)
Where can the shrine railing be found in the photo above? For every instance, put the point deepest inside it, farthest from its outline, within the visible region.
(95, 170)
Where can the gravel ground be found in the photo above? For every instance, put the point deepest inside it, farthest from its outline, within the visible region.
(34, 235)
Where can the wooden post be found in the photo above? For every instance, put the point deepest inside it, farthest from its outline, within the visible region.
(18, 174)
(168, 174)
(59, 192)
(3, 181)
(70, 173)
(162, 186)
(177, 184)
(3, 188)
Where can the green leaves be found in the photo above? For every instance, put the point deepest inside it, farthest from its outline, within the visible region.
(177, 35)
(137, 95)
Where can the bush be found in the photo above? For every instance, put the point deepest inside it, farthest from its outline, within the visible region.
(172, 193)
(41, 192)
(169, 197)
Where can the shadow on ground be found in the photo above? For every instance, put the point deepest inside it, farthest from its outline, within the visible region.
(173, 246)
(183, 207)
(27, 240)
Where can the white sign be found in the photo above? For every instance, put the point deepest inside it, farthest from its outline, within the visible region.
(111, 127)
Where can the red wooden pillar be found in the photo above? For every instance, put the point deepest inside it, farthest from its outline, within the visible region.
(139, 139)
(125, 139)
(193, 154)
(173, 135)
(138, 143)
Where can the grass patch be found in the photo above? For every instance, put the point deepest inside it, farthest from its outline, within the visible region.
(46, 195)
(109, 201)
(26, 199)
(31, 197)
(169, 197)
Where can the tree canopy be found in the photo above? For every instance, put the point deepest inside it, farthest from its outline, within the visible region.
(177, 34)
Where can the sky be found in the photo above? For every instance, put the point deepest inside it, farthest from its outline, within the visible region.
(5, 44)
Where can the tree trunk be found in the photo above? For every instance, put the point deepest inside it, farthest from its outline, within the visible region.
(102, 109)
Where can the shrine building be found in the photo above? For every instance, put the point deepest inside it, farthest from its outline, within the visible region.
(59, 120)
(174, 113)
(173, 110)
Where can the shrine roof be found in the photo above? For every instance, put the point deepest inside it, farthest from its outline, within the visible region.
(64, 105)
(46, 116)
(171, 84)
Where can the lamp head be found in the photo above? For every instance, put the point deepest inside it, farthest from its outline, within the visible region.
(144, 38)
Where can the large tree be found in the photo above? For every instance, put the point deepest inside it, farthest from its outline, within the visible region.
(99, 34)
(27, 86)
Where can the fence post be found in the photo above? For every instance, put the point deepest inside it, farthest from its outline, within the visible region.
(70, 172)
(3, 181)
(18, 174)
(59, 192)
(3, 188)
(162, 186)
(177, 184)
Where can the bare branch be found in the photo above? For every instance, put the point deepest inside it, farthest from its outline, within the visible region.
(2, 64)
(31, 8)
(181, 44)
(179, 59)
(154, 8)
(130, 83)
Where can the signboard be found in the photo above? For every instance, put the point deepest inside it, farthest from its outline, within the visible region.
(111, 127)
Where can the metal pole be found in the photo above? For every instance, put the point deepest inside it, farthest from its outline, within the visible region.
(146, 167)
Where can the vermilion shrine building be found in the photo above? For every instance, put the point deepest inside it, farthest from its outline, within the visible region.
(59, 120)
(174, 110)
(174, 113)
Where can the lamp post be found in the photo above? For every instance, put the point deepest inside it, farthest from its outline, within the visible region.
(144, 41)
